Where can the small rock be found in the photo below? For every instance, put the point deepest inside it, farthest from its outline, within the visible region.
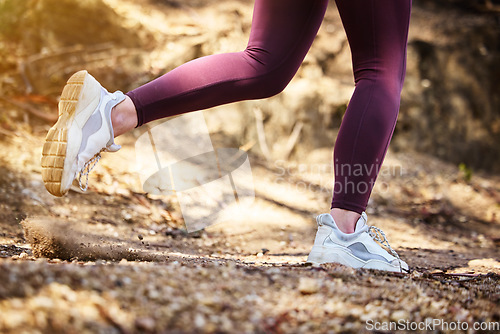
(199, 321)
(127, 216)
(399, 315)
(24, 255)
(153, 294)
(145, 324)
(308, 285)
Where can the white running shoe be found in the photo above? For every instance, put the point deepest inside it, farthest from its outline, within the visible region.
(83, 130)
(361, 249)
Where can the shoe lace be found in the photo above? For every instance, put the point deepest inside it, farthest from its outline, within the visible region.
(379, 236)
(85, 171)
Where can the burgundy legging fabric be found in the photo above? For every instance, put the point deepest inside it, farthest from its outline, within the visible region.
(282, 33)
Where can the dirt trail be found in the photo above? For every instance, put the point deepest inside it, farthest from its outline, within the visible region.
(247, 275)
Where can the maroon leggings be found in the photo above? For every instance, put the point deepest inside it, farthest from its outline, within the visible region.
(282, 33)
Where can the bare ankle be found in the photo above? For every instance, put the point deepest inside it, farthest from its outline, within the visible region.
(346, 220)
(124, 117)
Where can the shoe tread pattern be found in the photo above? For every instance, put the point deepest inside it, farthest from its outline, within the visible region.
(54, 149)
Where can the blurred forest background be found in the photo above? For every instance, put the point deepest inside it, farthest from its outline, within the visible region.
(117, 260)
(451, 99)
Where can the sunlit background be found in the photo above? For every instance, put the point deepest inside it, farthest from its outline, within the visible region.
(119, 260)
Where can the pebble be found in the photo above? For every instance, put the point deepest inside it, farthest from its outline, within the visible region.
(308, 285)
(23, 255)
(399, 315)
(199, 321)
(145, 324)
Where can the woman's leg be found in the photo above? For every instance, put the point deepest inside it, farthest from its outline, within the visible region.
(281, 34)
(377, 31)
(90, 117)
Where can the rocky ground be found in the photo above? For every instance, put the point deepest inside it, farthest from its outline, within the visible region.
(117, 260)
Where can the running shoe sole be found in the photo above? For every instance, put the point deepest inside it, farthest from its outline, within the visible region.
(322, 254)
(79, 99)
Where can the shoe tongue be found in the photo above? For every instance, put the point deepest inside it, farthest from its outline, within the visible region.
(361, 223)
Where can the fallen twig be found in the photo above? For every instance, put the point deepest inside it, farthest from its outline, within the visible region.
(292, 140)
(31, 110)
(8, 133)
(456, 274)
(259, 120)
